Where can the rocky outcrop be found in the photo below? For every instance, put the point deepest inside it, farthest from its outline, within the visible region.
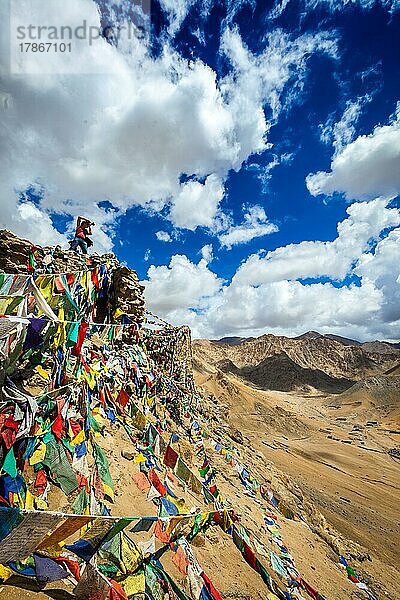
(14, 253)
(127, 293)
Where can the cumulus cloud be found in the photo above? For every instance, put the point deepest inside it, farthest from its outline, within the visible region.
(273, 292)
(207, 253)
(163, 236)
(313, 259)
(256, 224)
(365, 168)
(197, 204)
(182, 290)
(141, 123)
(382, 269)
(291, 307)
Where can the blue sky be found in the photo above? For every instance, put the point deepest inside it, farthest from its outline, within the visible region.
(244, 158)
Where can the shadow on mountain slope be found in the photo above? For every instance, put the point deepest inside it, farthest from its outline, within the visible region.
(281, 373)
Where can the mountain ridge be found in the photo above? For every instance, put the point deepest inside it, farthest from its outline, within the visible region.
(236, 340)
(323, 354)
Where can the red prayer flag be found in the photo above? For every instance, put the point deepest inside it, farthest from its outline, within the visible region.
(123, 398)
(83, 327)
(309, 589)
(250, 556)
(116, 592)
(210, 587)
(95, 278)
(57, 428)
(155, 481)
(170, 457)
(58, 284)
(40, 482)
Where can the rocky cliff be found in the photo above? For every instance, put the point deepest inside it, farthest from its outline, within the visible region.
(21, 256)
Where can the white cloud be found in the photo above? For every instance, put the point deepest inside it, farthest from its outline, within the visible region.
(178, 10)
(128, 136)
(180, 291)
(313, 259)
(207, 253)
(265, 294)
(147, 255)
(291, 307)
(259, 80)
(365, 168)
(163, 236)
(29, 218)
(382, 268)
(264, 172)
(335, 5)
(343, 132)
(197, 204)
(256, 224)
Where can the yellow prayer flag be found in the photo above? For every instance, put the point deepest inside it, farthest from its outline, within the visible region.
(39, 369)
(64, 530)
(5, 573)
(29, 501)
(139, 458)
(108, 491)
(134, 584)
(79, 438)
(89, 378)
(130, 554)
(38, 455)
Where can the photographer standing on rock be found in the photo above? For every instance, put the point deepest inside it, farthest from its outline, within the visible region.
(82, 233)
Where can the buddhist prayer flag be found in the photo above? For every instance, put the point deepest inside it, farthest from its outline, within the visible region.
(25, 538)
(64, 530)
(87, 546)
(123, 398)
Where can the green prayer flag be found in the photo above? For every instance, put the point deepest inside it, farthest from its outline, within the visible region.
(203, 472)
(72, 334)
(81, 502)
(56, 460)
(10, 465)
(101, 461)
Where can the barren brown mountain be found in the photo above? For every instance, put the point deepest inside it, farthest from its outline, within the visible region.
(319, 353)
(320, 417)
